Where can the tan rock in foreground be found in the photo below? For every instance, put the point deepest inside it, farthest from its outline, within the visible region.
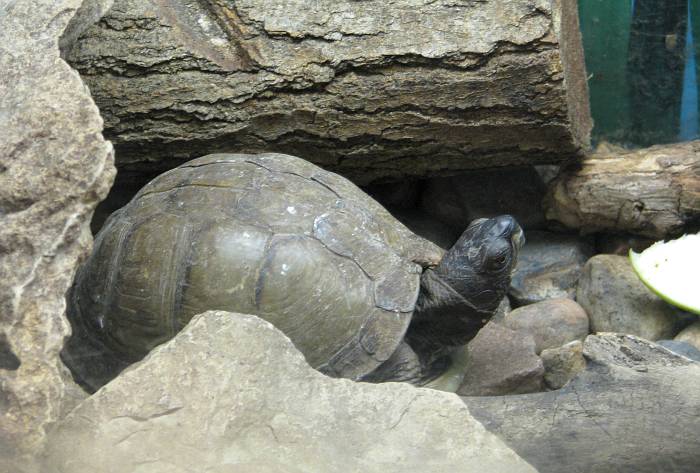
(231, 393)
(54, 168)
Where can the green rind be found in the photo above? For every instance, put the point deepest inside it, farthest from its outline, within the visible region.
(633, 260)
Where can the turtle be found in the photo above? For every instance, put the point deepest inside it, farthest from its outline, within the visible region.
(359, 294)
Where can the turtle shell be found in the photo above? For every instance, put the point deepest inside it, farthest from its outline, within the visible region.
(270, 235)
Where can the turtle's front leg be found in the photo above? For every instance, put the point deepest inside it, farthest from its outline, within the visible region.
(403, 365)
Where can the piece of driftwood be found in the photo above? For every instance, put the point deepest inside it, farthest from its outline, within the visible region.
(634, 409)
(654, 192)
(370, 88)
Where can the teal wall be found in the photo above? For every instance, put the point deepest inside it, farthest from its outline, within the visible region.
(641, 61)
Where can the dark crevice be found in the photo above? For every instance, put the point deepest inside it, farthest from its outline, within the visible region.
(8, 360)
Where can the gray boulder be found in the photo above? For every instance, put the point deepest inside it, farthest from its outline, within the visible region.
(501, 361)
(54, 168)
(681, 348)
(617, 301)
(549, 266)
(231, 393)
(552, 323)
(634, 409)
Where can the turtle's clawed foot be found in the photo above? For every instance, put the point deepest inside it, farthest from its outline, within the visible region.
(403, 365)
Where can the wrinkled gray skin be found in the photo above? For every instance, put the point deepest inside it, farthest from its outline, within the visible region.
(456, 299)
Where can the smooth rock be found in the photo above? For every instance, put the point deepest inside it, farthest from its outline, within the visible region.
(458, 200)
(501, 361)
(617, 301)
(552, 323)
(562, 364)
(231, 393)
(681, 348)
(634, 409)
(549, 266)
(54, 168)
(690, 335)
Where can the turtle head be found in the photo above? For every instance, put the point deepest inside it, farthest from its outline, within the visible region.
(480, 264)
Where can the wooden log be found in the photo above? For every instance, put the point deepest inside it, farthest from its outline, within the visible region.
(634, 409)
(371, 89)
(653, 192)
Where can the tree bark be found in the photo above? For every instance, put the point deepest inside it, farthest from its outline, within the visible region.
(372, 89)
(654, 192)
(634, 409)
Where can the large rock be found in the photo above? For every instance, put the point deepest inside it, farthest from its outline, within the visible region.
(231, 393)
(369, 89)
(549, 265)
(617, 301)
(552, 323)
(501, 361)
(635, 409)
(681, 348)
(54, 168)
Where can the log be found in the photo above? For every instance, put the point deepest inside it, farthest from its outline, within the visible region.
(634, 409)
(370, 89)
(652, 192)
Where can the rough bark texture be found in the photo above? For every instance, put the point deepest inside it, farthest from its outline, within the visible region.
(370, 89)
(54, 168)
(653, 192)
(634, 409)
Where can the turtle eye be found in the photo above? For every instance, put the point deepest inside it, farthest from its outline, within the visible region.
(498, 262)
(497, 259)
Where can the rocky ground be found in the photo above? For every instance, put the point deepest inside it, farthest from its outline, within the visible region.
(581, 369)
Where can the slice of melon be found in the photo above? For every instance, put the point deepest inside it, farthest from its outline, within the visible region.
(671, 269)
